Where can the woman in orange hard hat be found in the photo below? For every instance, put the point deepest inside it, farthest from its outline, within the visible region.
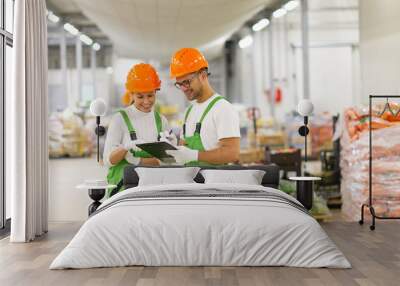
(137, 122)
(211, 124)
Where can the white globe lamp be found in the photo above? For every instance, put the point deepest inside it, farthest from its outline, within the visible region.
(98, 108)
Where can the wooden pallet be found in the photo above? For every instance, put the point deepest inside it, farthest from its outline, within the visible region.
(323, 218)
(335, 203)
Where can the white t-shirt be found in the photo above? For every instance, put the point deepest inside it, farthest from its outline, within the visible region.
(222, 121)
(118, 133)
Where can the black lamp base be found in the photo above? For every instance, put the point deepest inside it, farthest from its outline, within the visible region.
(305, 193)
(96, 195)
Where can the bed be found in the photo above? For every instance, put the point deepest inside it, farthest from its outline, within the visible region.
(198, 224)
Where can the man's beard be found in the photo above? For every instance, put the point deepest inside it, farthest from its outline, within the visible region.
(195, 94)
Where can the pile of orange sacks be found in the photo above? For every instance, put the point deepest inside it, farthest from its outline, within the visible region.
(385, 161)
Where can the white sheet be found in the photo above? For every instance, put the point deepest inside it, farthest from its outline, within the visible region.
(200, 231)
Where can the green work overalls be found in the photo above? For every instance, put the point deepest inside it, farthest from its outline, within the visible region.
(116, 172)
(194, 142)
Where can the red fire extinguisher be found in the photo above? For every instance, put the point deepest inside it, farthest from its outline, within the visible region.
(278, 95)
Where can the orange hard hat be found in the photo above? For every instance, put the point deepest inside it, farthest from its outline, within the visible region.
(185, 61)
(142, 78)
(126, 99)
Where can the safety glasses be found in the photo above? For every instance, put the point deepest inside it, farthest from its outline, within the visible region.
(186, 83)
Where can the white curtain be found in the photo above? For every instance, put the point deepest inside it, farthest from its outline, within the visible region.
(28, 123)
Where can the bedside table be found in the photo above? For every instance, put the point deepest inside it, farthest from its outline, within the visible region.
(304, 190)
(96, 192)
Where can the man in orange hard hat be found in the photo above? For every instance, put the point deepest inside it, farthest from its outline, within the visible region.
(211, 129)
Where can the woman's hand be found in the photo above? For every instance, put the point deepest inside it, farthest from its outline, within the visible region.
(131, 144)
(150, 161)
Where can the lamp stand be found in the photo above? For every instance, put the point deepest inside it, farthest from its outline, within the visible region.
(100, 131)
(305, 137)
(303, 131)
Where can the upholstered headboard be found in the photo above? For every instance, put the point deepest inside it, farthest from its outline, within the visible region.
(270, 179)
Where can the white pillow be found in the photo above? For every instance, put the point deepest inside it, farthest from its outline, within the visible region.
(248, 177)
(166, 176)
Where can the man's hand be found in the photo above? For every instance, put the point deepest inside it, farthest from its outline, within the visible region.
(227, 152)
(149, 162)
(183, 155)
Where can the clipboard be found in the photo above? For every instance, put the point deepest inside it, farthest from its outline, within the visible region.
(157, 149)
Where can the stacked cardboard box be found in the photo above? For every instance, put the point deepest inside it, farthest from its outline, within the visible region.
(251, 155)
(68, 136)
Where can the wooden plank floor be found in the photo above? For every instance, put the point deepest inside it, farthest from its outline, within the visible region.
(375, 257)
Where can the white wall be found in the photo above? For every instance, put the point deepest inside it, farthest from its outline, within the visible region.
(65, 91)
(331, 76)
(218, 74)
(334, 71)
(334, 68)
(380, 47)
(66, 202)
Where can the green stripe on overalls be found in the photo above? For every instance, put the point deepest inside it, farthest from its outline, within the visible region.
(194, 142)
(116, 172)
(131, 129)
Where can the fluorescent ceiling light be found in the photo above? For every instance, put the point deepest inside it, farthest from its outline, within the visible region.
(279, 13)
(260, 25)
(246, 42)
(291, 5)
(71, 29)
(88, 41)
(53, 17)
(96, 46)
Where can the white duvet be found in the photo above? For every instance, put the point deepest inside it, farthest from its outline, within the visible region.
(200, 231)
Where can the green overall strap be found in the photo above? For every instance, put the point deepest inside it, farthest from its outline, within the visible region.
(194, 142)
(139, 154)
(209, 107)
(127, 121)
(157, 117)
(188, 112)
(142, 153)
(186, 117)
(128, 125)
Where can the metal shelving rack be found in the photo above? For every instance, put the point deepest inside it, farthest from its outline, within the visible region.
(370, 203)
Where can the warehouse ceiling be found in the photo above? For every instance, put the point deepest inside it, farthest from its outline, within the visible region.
(71, 13)
(154, 29)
